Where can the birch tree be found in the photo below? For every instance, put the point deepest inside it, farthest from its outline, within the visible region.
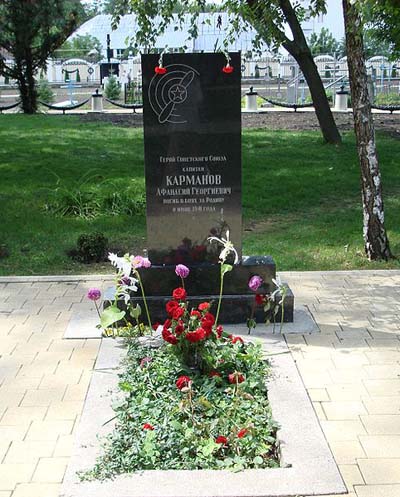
(376, 242)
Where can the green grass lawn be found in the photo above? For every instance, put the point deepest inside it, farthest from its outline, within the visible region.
(301, 198)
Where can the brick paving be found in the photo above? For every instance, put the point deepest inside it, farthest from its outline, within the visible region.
(351, 371)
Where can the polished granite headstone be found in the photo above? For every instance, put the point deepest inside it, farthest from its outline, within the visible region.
(192, 136)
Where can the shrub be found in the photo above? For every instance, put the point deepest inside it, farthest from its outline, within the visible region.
(91, 247)
(45, 93)
(387, 99)
(112, 89)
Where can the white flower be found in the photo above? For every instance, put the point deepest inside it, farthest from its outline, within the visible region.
(121, 263)
(280, 288)
(228, 247)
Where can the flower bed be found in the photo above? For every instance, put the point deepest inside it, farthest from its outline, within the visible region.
(197, 402)
(175, 418)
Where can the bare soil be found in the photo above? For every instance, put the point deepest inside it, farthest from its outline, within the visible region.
(279, 120)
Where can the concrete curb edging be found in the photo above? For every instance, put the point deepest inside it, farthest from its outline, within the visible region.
(309, 465)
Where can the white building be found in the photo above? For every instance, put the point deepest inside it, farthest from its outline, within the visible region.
(212, 29)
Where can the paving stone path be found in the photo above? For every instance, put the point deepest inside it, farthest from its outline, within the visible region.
(351, 371)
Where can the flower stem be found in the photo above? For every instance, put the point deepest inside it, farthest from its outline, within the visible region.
(97, 309)
(144, 299)
(221, 288)
(183, 282)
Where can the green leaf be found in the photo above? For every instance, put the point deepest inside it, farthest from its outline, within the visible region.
(135, 312)
(209, 447)
(110, 316)
(225, 268)
(258, 460)
(125, 386)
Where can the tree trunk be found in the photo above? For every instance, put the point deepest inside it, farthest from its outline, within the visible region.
(321, 103)
(26, 85)
(300, 50)
(375, 238)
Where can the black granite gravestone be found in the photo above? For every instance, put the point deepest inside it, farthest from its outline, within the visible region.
(192, 136)
(192, 139)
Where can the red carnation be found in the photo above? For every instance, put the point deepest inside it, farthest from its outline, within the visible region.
(169, 337)
(179, 294)
(221, 440)
(148, 426)
(235, 378)
(259, 299)
(195, 314)
(227, 69)
(204, 306)
(179, 328)
(182, 382)
(167, 324)
(209, 317)
(213, 374)
(170, 306)
(207, 327)
(219, 330)
(155, 326)
(178, 313)
(236, 339)
(196, 336)
(243, 432)
(160, 70)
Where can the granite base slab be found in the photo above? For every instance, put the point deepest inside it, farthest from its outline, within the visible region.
(85, 325)
(235, 309)
(204, 279)
(307, 465)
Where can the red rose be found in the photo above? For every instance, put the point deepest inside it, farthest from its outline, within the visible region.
(178, 313)
(167, 324)
(219, 330)
(235, 378)
(169, 337)
(182, 381)
(243, 432)
(195, 314)
(259, 299)
(170, 306)
(213, 374)
(221, 440)
(196, 336)
(148, 426)
(236, 339)
(204, 306)
(179, 294)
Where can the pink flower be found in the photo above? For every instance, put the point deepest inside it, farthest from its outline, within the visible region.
(255, 282)
(146, 262)
(138, 261)
(145, 361)
(182, 271)
(94, 294)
